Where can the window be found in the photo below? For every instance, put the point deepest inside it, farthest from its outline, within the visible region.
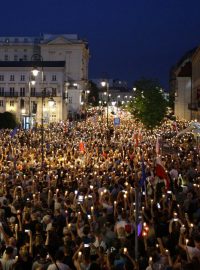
(25, 40)
(12, 77)
(12, 103)
(22, 91)
(23, 78)
(44, 78)
(6, 57)
(1, 103)
(54, 90)
(54, 77)
(53, 117)
(32, 91)
(34, 107)
(12, 91)
(1, 78)
(1, 91)
(22, 103)
(25, 57)
(44, 92)
(70, 99)
(15, 57)
(16, 40)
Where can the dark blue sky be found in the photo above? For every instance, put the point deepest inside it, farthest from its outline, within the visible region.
(128, 39)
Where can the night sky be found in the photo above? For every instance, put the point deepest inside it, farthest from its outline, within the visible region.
(128, 39)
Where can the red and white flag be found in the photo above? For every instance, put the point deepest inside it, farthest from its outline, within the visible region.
(162, 173)
(175, 128)
(81, 147)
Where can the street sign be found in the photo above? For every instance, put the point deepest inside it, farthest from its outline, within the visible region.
(116, 121)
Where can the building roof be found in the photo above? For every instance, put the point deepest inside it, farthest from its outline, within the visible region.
(32, 63)
(183, 67)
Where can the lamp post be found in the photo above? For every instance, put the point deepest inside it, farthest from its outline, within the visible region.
(38, 59)
(30, 83)
(51, 103)
(106, 84)
(87, 92)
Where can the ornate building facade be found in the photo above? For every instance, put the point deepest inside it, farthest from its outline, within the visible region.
(62, 64)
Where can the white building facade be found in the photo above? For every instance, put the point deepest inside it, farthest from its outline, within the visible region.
(62, 62)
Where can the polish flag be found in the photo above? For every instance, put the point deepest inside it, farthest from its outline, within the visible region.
(81, 147)
(162, 173)
(175, 128)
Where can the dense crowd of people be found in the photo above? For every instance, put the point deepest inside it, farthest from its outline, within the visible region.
(77, 209)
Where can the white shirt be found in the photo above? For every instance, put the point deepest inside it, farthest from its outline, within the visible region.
(193, 252)
(7, 264)
(61, 266)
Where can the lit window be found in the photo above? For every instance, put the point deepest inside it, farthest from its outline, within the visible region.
(12, 103)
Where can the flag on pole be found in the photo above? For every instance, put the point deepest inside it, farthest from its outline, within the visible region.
(175, 128)
(81, 147)
(13, 132)
(161, 172)
(143, 178)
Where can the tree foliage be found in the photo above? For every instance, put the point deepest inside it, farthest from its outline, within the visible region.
(148, 104)
(93, 97)
(8, 120)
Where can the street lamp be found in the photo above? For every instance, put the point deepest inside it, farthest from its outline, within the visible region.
(51, 103)
(38, 59)
(31, 82)
(87, 92)
(106, 84)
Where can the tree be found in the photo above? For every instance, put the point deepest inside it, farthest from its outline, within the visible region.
(148, 104)
(8, 120)
(93, 97)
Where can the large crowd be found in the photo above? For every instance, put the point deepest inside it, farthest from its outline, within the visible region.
(76, 209)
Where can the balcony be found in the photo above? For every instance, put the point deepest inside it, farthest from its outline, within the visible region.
(47, 94)
(9, 94)
(193, 106)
